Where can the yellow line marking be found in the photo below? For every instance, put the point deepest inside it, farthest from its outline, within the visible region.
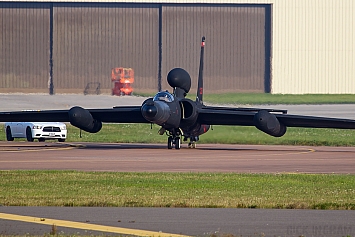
(249, 156)
(85, 226)
(310, 150)
(41, 149)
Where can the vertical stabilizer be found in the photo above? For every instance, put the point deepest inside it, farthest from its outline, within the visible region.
(200, 74)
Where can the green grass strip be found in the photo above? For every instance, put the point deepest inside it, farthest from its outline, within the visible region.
(142, 133)
(226, 190)
(266, 98)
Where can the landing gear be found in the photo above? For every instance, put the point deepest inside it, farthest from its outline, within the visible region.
(170, 142)
(173, 138)
(177, 143)
(174, 142)
(192, 143)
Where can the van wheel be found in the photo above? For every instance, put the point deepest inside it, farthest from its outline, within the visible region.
(61, 140)
(41, 139)
(29, 134)
(9, 134)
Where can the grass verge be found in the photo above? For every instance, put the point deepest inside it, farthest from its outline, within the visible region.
(265, 98)
(226, 190)
(142, 133)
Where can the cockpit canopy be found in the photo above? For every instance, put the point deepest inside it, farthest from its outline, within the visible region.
(163, 96)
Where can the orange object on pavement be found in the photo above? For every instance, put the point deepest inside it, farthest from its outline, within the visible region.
(122, 79)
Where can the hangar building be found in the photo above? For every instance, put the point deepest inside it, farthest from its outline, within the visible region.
(273, 46)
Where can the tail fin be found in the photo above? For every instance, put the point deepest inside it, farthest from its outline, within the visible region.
(200, 74)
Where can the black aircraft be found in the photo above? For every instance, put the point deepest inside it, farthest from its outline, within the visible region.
(178, 116)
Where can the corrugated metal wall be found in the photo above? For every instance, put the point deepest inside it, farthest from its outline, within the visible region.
(312, 43)
(91, 38)
(235, 45)
(24, 47)
(89, 41)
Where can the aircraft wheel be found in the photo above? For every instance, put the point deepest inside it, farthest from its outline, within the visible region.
(170, 142)
(29, 134)
(9, 134)
(177, 143)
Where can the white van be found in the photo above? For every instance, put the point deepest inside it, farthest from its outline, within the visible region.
(36, 130)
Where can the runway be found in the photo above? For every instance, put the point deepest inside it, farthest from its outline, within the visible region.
(157, 158)
(175, 221)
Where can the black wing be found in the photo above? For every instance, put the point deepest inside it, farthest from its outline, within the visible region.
(245, 117)
(124, 114)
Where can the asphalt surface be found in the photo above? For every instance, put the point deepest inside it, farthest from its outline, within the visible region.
(185, 221)
(155, 157)
(189, 221)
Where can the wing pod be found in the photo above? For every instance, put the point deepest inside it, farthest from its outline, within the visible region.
(268, 123)
(82, 118)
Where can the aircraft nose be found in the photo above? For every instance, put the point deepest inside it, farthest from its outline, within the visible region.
(149, 111)
(155, 111)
